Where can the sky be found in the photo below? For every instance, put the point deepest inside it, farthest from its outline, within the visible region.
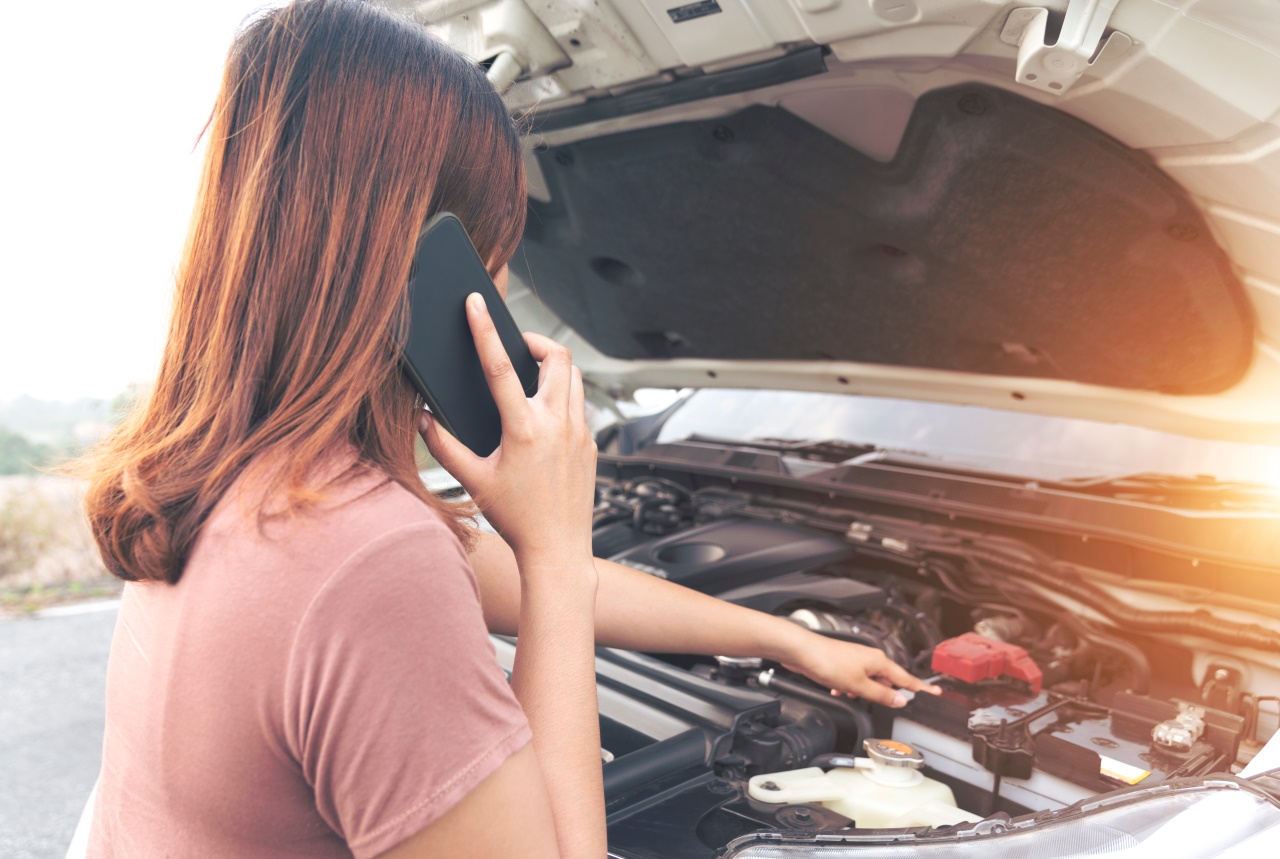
(101, 107)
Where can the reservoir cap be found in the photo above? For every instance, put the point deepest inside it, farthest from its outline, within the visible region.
(893, 753)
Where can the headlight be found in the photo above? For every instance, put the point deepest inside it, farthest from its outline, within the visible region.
(1220, 819)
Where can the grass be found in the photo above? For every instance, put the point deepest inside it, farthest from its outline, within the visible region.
(46, 554)
(35, 597)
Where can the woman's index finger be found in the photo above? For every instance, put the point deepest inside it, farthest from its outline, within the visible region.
(499, 372)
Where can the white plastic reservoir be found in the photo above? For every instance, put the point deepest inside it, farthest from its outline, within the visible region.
(884, 790)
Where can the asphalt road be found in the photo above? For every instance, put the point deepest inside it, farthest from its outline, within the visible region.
(52, 681)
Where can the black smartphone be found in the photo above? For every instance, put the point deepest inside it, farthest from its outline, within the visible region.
(439, 354)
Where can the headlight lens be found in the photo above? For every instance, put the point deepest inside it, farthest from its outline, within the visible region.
(1210, 821)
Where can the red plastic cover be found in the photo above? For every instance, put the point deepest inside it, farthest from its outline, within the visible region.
(972, 657)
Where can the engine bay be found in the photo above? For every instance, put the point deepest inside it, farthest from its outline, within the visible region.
(1050, 697)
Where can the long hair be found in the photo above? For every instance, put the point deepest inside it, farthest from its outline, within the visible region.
(338, 131)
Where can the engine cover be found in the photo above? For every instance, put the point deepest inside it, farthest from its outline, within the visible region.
(734, 552)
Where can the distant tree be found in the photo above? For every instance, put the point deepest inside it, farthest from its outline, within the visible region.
(20, 455)
(127, 400)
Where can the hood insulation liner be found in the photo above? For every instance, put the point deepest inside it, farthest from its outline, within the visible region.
(1005, 237)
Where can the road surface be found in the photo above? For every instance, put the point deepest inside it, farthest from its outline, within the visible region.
(52, 672)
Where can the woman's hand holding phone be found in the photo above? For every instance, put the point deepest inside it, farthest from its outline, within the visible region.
(538, 487)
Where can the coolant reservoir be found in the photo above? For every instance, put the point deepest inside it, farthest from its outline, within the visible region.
(884, 790)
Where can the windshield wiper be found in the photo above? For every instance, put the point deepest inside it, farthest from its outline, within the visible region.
(831, 451)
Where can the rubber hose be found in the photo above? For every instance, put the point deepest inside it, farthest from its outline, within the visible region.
(860, 717)
(637, 518)
(1199, 622)
(1139, 666)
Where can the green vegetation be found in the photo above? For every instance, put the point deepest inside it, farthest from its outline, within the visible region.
(47, 555)
(26, 531)
(20, 455)
(37, 434)
(50, 421)
(35, 597)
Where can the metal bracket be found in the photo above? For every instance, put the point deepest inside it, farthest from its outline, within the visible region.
(1055, 68)
(503, 33)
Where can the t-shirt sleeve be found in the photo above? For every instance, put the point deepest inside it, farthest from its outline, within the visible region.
(395, 704)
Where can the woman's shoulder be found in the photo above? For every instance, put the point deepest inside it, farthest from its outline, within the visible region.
(377, 502)
(370, 510)
(391, 557)
(349, 516)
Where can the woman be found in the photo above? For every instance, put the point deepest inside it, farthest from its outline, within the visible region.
(301, 665)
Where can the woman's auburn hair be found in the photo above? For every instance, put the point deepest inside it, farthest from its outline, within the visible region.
(339, 130)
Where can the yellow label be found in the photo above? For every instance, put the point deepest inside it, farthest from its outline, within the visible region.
(1121, 771)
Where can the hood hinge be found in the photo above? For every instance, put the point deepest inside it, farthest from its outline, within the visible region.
(1055, 68)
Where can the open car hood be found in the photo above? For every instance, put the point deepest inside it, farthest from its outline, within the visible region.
(932, 201)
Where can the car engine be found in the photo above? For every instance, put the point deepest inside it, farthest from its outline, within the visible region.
(1045, 702)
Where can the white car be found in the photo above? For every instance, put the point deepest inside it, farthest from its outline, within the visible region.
(975, 309)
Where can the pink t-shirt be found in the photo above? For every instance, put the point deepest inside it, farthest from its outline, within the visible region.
(323, 688)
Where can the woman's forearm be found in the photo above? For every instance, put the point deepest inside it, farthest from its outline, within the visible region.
(637, 611)
(554, 679)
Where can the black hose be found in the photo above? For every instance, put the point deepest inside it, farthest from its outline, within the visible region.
(637, 516)
(1062, 579)
(602, 519)
(1139, 666)
(671, 486)
(930, 636)
(860, 717)
(644, 765)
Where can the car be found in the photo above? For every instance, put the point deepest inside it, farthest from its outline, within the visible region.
(955, 330)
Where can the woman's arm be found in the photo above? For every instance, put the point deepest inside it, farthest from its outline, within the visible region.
(537, 489)
(637, 611)
(554, 679)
